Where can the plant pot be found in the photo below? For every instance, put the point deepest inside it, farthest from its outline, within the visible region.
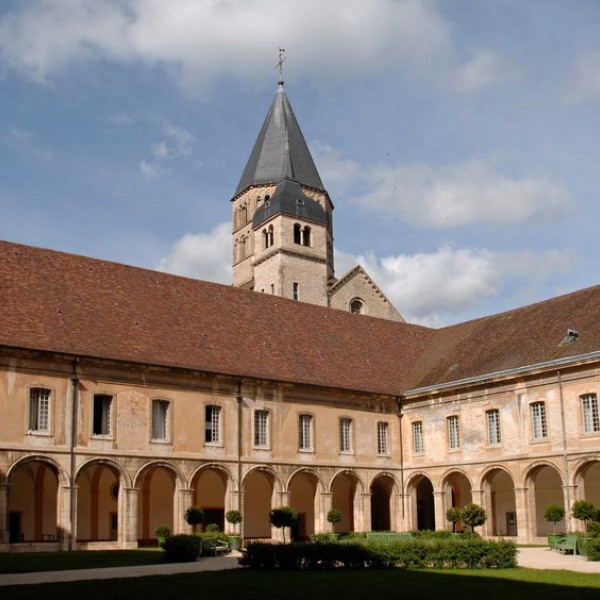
(234, 541)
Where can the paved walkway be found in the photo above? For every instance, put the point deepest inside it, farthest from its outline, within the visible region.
(533, 558)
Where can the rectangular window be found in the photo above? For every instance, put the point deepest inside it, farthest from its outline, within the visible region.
(296, 291)
(160, 419)
(39, 409)
(261, 422)
(417, 431)
(345, 435)
(212, 423)
(589, 406)
(102, 415)
(493, 426)
(453, 433)
(305, 424)
(382, 438)
(539, 428)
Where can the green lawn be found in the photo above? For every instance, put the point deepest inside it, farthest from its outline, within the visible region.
(28, 562)
(513, 584)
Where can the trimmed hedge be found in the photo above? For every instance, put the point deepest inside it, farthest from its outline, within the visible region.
(182, 548)
(592, 548)
(418, 554)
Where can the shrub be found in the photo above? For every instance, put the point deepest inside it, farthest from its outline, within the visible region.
(593, 529)
(182, 548)
(334, 516)
(450, 553)
(592, 548)
(162, 531)
(212, 528)
(281, 517)
(428, 534)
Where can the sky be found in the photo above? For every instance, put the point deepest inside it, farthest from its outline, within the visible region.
(458, 139)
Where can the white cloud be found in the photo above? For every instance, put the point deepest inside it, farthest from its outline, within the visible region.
(584, 83)
(27, 141)
(433, 289)
(198, 40)
(179, 143)
(335, 170)
(469, 193)
(149, 170)
(202, 256)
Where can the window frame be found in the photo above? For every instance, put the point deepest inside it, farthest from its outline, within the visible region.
(106, 417)
(166, 421)
(34, 417)
(496, 424)
(383, 438)
(418, 441)
(306, 433)
(346, 431)
(453, 429)
(589, 415)
(539, 422)
(216, 435)
(261, 432)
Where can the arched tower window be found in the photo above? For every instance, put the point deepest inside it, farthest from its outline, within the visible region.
(267, 237)
(356, 306)
(306, 236)
(301, 235)
(297, 233)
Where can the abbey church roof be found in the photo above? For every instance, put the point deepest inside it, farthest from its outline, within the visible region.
(280, 151)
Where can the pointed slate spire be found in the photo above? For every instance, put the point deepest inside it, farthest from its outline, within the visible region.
(280, 151)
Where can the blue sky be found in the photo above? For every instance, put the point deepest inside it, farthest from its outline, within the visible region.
(458, 139)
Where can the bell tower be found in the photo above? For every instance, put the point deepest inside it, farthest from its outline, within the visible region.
(282, 214)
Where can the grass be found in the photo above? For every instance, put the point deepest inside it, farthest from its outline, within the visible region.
(512, 584)
(29, 562)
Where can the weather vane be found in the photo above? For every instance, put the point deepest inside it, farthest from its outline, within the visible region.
(279, 64)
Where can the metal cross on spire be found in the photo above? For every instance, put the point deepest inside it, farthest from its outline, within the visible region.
(279, 64)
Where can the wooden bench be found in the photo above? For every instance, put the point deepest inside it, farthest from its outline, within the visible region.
(387, 536)
(568, 543)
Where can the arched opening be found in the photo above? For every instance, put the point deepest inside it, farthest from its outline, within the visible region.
(457, 494)
(297, 233)
(306, 233)
(381, 495)
(356, 306)
(155, 502)
(259, 487)
(545, 487)
(97, 503)
(343, 494)
(210, 487)
(421, 508)
(303, 493)
(33, 503)
(587, 480)
(500, 504)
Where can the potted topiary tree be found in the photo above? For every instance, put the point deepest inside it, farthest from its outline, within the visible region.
(473, 515)
(194, 516)
(282, 517)
(162, 532)
(334, 516)
(233, 517)
(553, 513)
(453, 515)
(584, 510)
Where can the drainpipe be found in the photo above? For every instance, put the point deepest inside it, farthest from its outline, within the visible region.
(399, 399)
(239, 399)
(74, 400)
(565, 455)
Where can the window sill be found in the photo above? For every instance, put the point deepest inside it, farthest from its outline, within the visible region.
(37, 433)
(306, 450)
(214, 444)
(347, 452)
(161, 442)
(262, 448)
(539, 441)
(102, 436)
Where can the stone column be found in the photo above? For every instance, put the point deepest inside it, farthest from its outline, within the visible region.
(65, 530)
(438, 510)
(524, 525)
(365, 500)
(277, 534)
(128, 518)
(572, 524)
(4, 491)
(484, 500)
(325, 506)
(402, 513)
(184, 498)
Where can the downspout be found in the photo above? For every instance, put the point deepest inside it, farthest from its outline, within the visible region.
(565, 454)
(239, 399)
(401, 460)
(74, 402)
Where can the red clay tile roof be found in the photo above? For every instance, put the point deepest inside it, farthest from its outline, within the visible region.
(518, 338)
(70, 304)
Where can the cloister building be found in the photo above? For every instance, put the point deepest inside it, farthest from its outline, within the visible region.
(128, 395)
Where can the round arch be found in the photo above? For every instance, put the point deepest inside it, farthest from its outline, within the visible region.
(321, 487)
(305, 487)
(222, 469)
(262, 486)
(345, 487)
(177, 474)
(61, 474)
(420, 490)
(498, 486)
(123, 474)
(545, 484)
(586, 478)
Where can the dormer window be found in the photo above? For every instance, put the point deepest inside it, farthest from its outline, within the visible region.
(356, 306)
